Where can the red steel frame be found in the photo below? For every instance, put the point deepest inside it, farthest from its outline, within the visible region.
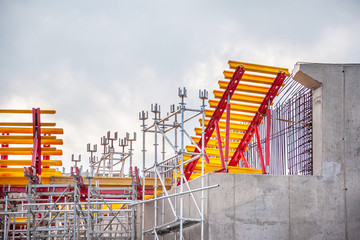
(216, 117)
(36, 157)
(239, 153)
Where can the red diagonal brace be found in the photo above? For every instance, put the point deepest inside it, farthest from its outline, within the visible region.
(267, 145)
(221, 153)
(258, 141)
(216, 116)
(257, 118)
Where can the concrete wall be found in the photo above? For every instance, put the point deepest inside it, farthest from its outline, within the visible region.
(323, 206)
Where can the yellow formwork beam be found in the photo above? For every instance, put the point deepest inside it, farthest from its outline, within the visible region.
(5, 149)
(209, 151)
(251, 78)
(233, 126)
(233, 116)
(233, 135)
(24, 137)
(28, 151)
(245, 87)
(30, 130)
(215, 167)
(21, 181)
(19, 124)
(26, 111)
(30, 141)
(214, 143)
(11, 175)
(250, 67)
(240, 97)
(47, 163)
(21, 170)
(236, 107)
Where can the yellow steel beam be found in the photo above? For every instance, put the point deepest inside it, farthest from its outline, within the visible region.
(233, 126)
(26, 111)
(234, 136)
(233, 116)
(216, 167)
(250, 67)
(5, 149)
(28, 162)
(25, 137)
(21, 170)
(30, 130)
(26, 124)
(245, 87)
(236, 106)
(214, 143)
(20, 181)
(209, 151)
(251, 78)
(31, 141)
(28, 151)
(240, 97)
(11, 175)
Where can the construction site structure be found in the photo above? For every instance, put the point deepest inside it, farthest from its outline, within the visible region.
(259, 123)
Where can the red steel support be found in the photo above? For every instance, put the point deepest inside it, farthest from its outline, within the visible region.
(242, 155)
(216, 116)
(267, 144)
(258, 141)
(36, 157)
(227, 131)
(257, 118)
(220, 144)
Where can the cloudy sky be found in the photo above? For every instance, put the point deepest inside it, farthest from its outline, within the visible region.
(98, 63)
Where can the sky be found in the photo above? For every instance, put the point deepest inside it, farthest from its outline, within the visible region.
(99, 63)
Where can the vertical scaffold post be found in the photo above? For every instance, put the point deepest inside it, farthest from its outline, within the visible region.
(203, 96)
(182, 95)
(156, 110)
(143, 116)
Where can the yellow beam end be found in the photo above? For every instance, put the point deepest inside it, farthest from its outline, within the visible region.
(251, 67)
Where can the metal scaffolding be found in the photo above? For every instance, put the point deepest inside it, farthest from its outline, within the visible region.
(170, 165)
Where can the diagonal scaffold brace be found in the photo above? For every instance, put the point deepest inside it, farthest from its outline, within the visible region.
(216, 117)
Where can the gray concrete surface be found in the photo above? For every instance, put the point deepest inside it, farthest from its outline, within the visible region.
(323, 206)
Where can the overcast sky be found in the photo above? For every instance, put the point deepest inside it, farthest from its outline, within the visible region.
(98, 63)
